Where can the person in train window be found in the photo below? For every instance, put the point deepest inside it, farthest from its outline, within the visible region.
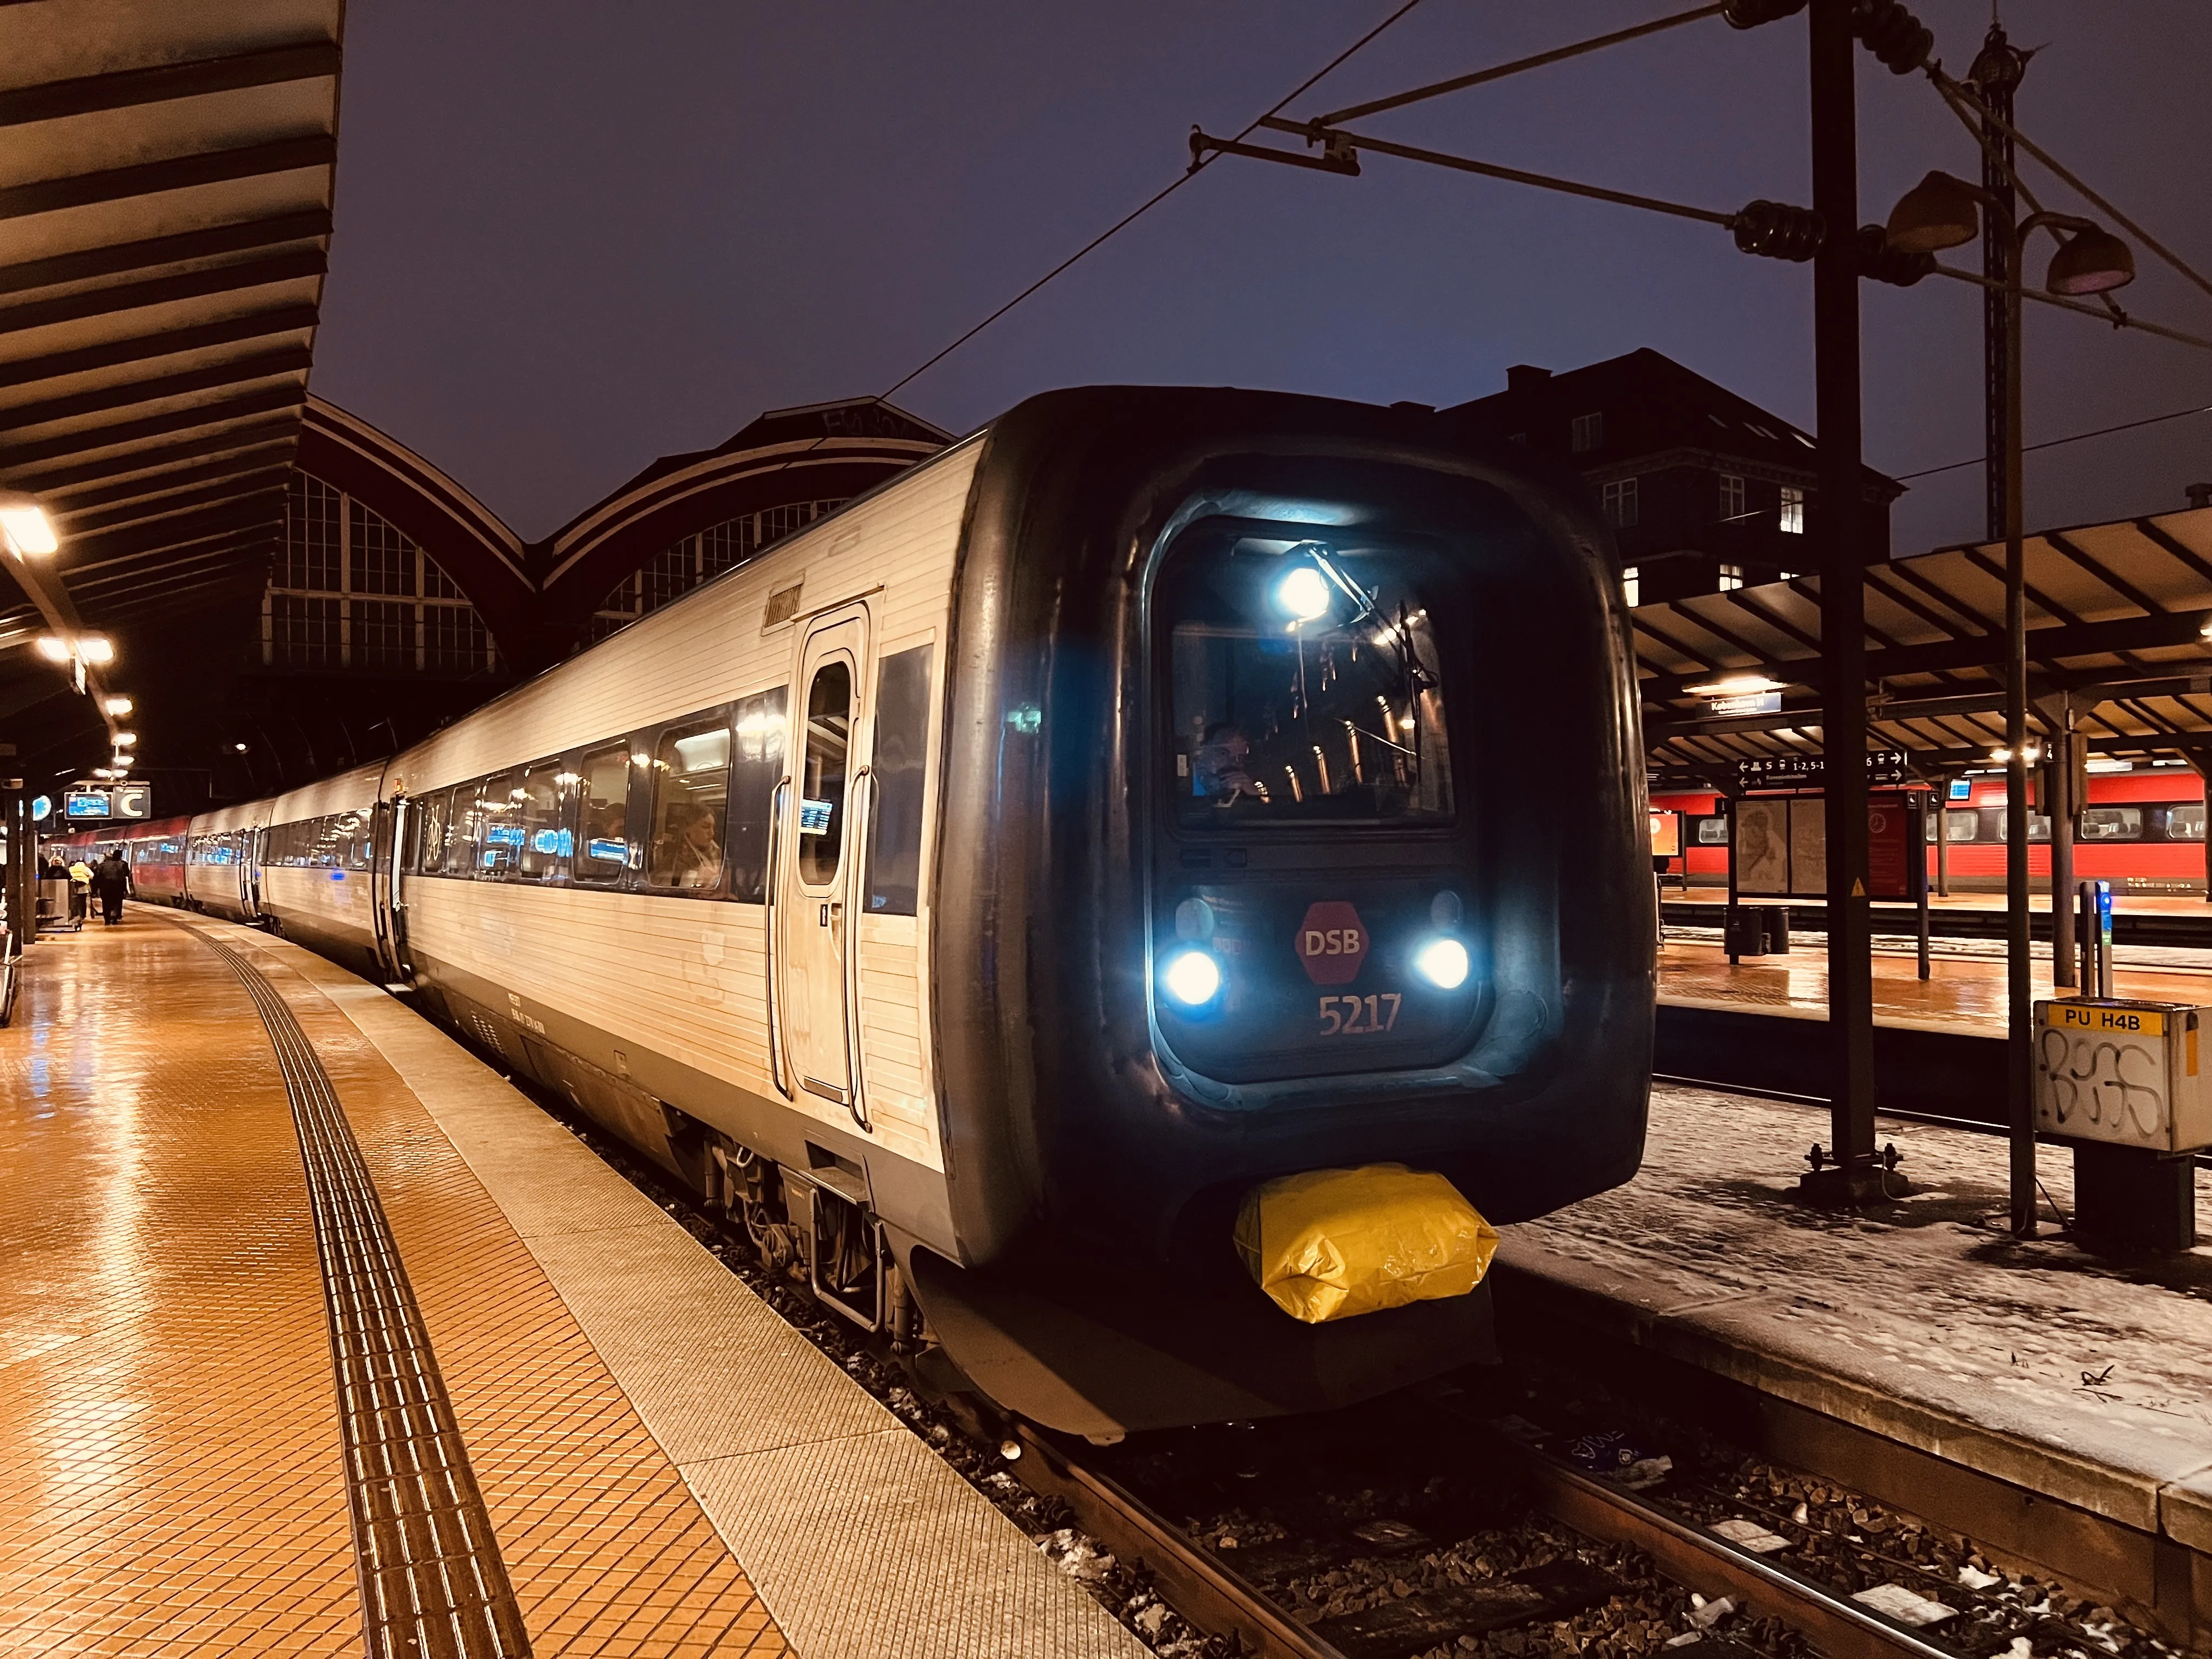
(690, 856)
(1221, 771)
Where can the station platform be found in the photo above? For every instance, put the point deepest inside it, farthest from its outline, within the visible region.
(2054, 1406)
(314, 1333)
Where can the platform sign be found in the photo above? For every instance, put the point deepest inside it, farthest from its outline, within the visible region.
(79, 805)
(2125, 1073)
(1885, 769)
(86, 801)
(1961, 789)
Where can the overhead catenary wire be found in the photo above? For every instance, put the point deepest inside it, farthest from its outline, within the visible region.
(2054, 443)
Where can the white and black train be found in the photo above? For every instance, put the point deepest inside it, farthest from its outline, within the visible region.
(980, 891)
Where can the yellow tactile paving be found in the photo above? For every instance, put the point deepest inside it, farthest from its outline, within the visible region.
(608, 1553)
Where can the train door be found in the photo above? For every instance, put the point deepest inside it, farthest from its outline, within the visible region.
(249, 843)
(821, 813)
(390, 827)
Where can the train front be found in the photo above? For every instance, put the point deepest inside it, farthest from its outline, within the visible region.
(1294, 825)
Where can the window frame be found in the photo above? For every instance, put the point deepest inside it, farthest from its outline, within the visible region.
(633, 851)
(650, 741)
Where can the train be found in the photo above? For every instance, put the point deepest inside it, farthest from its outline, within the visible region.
(982, 891)
(2142, 830)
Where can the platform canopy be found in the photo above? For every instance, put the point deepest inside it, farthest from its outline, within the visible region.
(165, 191)
(2116, 617)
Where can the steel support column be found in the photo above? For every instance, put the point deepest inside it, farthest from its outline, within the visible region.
(1855, 1177)
(2020, 1109)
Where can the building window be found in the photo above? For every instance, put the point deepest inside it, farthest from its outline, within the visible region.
(1732, 510)
(1793, 510)
(1731, 578)
(1587, 433)
(348, 589)
(1631, 586)
(1621, 503)
(674, 571)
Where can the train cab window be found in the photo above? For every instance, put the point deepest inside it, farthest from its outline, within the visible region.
(543, 825)
(901, 746)
(436, 813)
(2186, 821)
(1712, 832)
(465, 833)
(822, 777)
(2112, 824)
(602, 815)
(755, 770)
(2038, 826)
(1307, 687)
(690, 808)
(499, 803)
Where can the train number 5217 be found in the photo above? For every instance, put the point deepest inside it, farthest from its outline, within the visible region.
(1357, 1016)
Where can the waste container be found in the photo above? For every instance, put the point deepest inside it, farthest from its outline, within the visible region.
(1756, 930)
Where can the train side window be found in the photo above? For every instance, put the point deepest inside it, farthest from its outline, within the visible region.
(2038, 826)
(822, 776)
(542, 823)
(437, 812)
(2112, 824)
(602, 815)
(1712, 832)
(690, 807)
(500, 800)
(755, 769)
(901, 745)
(2186, 821)
(465, 835)
(1961, 823)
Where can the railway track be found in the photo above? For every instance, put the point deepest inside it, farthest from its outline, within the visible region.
(1216, 1597)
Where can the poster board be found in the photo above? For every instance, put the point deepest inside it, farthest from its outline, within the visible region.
(1666, 833)
(1779, 846)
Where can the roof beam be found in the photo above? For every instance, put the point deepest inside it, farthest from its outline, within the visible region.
(285, 359)
(167, 342)
(51, 100)
(2159, 535)
(2134, 595)
(169, 531)
(182, 500)
(164, 290)
(118, 257)
(67, 507)
(63, 478)
(179, 173)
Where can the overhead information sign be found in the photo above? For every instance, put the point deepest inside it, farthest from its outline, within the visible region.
(1884, 767)
(89, 802)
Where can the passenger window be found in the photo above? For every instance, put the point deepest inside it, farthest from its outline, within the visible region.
(2038, 826)
(430, 838)
(499, 800)
(465, 838)
(544, 833)
(822, 780)
(1712, 832)
(2186, 823)
(690, 808)
(1961, 823)
(901, 746)
(757, 767)
(602, 815)
(342, 841)
(2112, 824)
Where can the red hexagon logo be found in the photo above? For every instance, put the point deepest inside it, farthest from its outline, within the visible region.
(1331, 943)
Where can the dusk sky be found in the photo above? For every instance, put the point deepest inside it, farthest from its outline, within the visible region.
(572, 237)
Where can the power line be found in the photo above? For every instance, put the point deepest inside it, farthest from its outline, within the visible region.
(2053, 443)
(1130, 218)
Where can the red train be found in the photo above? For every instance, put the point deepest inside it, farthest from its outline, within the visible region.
(2142, 831)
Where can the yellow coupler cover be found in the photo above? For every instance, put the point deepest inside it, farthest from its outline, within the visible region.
(1332, 1243)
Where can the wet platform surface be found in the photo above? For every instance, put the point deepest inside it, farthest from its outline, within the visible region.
(591, 1438)
(1965, 991)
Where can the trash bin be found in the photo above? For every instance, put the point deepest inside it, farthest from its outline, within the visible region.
(1756, 930)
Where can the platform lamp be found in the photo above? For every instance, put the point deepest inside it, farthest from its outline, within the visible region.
(25, 528)
(1943, 212)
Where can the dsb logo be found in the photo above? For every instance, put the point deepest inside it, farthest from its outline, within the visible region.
(1331, 943)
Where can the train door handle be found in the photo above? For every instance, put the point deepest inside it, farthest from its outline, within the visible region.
(825, 915)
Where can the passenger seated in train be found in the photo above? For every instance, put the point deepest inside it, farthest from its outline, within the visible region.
(687, 854)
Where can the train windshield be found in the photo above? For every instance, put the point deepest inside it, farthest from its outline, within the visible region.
(1307, 687)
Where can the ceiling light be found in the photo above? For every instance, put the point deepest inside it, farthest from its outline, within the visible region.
(1736, 685)
(116, 705)
(24, 524)
(95, 648)
(53, 648)
(124, 739)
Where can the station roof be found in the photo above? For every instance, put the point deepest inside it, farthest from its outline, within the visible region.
(2116, 617)
(166, 186)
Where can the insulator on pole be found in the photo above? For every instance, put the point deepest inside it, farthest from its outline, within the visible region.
(1900, 40)
(1882, 263)
(1775, 230)
(1750, 14)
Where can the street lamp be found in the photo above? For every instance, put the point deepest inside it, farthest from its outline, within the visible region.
(1940, 212)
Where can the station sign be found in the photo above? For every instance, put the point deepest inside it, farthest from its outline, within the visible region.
(1748, 703)
(89, 801)
(1885, 769)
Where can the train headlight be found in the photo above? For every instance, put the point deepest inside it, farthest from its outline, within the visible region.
(1192, 977)
(1442, 962)
(1304, 593)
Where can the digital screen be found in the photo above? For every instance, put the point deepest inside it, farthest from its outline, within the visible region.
(504, 835)
(553, 842)
(608, 852)
(1962, 789)
(85, 804)
(814, 817)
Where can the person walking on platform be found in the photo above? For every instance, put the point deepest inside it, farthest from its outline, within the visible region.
(80, 875)
(111, 879)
